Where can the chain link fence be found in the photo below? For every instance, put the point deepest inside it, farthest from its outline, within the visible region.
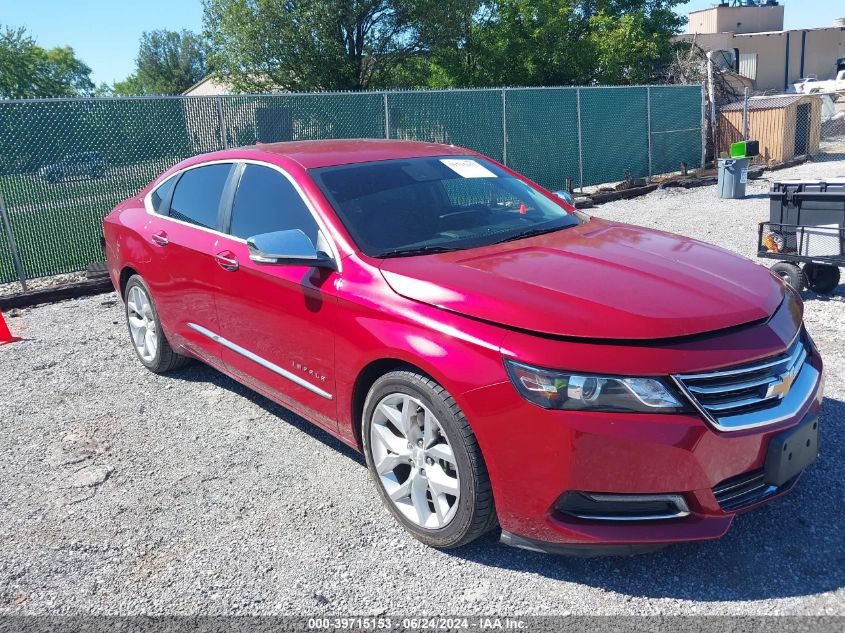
(788, 128)
(66, 162)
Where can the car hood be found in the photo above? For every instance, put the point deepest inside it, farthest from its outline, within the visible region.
(596, 280)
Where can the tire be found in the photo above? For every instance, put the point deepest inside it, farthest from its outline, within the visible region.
(791, 274)
(821, 278)
(142, 318)
(451, 447)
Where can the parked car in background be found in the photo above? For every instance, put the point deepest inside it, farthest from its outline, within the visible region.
(84, 164)
(834, 87)
(500, 358)
(804, 83)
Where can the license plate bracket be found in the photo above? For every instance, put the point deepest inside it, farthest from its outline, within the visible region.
(791, 452)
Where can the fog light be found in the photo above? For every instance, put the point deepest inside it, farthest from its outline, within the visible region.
(596, 506)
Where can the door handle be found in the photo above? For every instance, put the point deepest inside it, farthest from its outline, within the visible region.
(160, 239)
(227, 260)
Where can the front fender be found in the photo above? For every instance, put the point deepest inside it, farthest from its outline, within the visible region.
(377, 324)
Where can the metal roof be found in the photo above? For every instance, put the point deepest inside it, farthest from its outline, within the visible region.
(328, 152)
(765, 103)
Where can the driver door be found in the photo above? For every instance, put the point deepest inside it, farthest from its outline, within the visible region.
(277, 321)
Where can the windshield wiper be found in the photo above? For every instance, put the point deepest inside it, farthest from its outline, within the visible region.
(531, 233)
(419, 250)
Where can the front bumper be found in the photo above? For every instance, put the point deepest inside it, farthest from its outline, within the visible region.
(535, 455)
(581, 550)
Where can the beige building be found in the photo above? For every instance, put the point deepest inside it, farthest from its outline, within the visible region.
(208, 87)
(745, 19)
(772, 58)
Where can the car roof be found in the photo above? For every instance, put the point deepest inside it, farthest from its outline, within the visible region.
(325, 153)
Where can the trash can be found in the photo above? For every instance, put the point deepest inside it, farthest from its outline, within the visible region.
(733, 174)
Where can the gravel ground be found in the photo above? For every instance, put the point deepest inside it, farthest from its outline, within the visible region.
(42, 282)
(122, 492)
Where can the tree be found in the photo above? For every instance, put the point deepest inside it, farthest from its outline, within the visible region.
(298, 45)
(104, 90)
(558, 42)
(28, 71)
(261, 45)
(168, 63)
(624, 50)
(523, 42)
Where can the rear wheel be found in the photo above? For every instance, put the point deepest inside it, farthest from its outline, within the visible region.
(821, 278)
(790, 273)
(425, 461)
(148, 338)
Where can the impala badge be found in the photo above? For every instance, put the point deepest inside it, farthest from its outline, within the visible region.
(307, 370)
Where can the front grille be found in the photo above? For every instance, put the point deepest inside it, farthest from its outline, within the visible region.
(743, 490)
(754, 394)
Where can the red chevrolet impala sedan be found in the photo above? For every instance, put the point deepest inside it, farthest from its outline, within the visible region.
(500, 358)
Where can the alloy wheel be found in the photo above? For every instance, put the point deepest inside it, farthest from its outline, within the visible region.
(142, 323)
(414, 461)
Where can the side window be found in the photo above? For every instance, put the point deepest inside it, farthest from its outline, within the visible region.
(197, 195)
(159, 195)
(265, 202)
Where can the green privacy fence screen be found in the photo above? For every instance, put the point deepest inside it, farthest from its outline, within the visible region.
(64, 163)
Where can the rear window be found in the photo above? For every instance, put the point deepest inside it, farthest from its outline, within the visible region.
(160, 194)
(196, 199)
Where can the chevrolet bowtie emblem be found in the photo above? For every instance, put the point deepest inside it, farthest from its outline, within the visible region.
(782, 386)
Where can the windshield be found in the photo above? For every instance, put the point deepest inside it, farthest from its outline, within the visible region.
(396, 208)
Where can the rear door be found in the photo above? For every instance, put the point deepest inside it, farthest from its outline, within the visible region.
(277, 321)
(184, 233)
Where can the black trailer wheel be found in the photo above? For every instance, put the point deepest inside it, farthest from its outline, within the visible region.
(790, 273)
(821, 278)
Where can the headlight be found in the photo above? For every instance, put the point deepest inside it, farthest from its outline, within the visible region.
(590, 392)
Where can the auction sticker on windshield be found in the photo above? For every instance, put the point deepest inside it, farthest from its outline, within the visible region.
(467, 168)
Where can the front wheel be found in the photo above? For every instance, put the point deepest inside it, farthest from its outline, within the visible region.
(425, 460)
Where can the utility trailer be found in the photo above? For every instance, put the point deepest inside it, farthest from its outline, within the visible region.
(805, 232)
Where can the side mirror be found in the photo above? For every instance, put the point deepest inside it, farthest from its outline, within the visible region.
(291, 248)
(566, 197)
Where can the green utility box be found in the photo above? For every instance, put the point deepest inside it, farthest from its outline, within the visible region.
(745, 149)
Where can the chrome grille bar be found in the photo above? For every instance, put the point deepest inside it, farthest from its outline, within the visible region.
(795, 350)
(722, 488)
(747, 491)
(718, 407)
(743, 490)
(740, 386)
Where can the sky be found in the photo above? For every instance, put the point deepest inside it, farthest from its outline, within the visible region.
(105, 33)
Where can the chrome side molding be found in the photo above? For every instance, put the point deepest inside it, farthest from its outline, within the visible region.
(261, 361)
